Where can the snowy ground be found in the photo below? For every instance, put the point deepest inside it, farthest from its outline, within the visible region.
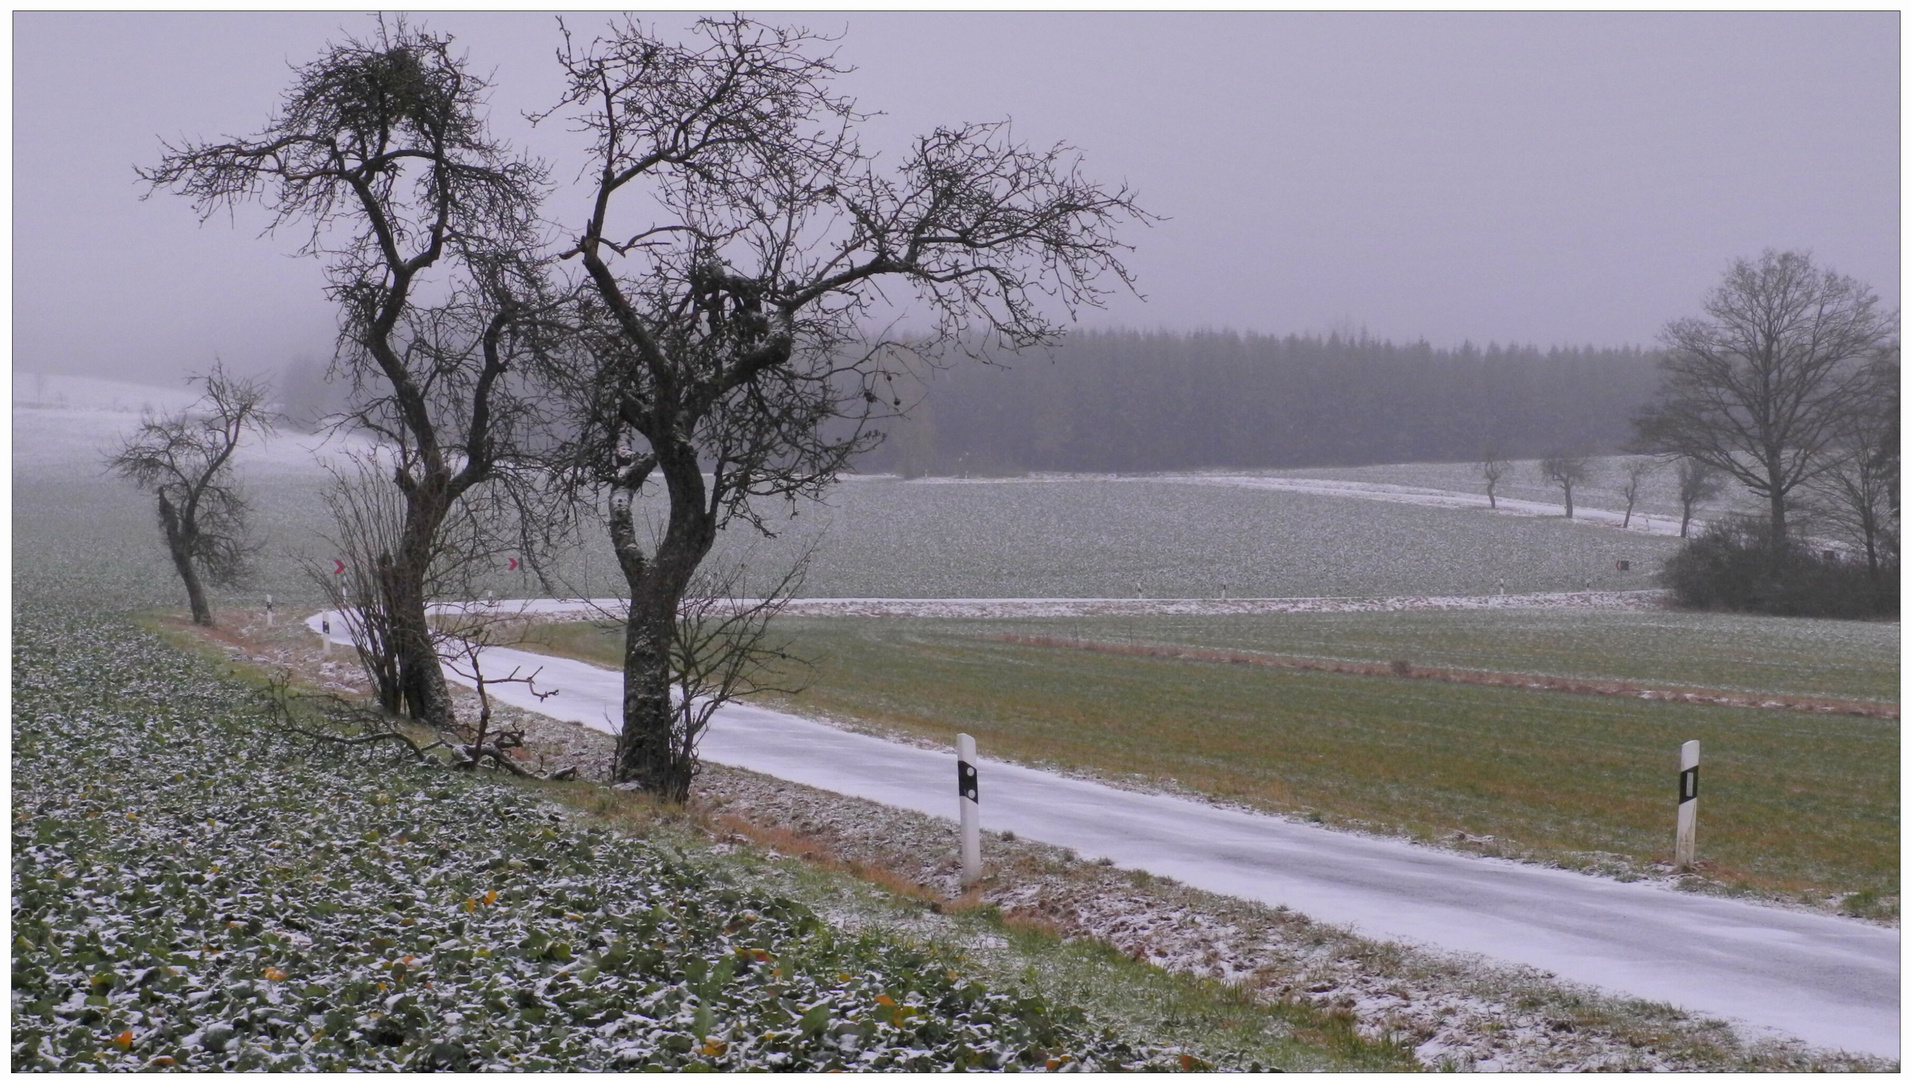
(1651, 524)
(1833, 982)
(1074, 607)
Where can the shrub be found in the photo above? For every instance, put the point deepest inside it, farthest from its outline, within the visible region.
(1737, 565)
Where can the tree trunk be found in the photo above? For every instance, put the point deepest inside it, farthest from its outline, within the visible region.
(180, 544)
(652, 751)
(1569, 498)
(647, 749)
(1778, 518)
(1685, 518)
(421, 676)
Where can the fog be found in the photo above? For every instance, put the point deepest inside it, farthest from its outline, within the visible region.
(1543, 178)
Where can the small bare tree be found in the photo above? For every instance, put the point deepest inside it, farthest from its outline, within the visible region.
(1493, 466)
(1699, 483)
(368, 518)
(1632, 482)
(1568, 469)
(370, 523)
(184, 459)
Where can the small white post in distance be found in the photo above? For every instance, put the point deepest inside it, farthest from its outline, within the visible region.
(1685, 843)
(967, 796)
(268, 611)
(325, 637)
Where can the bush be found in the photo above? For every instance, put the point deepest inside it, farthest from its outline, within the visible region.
(1737, 565)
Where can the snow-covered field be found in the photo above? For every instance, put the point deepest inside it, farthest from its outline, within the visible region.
(1181, 537)
(1067, 607)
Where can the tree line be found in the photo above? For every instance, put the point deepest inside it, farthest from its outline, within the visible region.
(1134, 401)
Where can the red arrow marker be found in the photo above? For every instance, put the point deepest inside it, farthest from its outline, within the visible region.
(340, 564)
(514, 564)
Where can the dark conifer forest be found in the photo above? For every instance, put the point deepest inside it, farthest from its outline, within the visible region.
(1129, 401)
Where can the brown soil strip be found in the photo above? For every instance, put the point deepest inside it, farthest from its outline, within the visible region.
(1400, 669)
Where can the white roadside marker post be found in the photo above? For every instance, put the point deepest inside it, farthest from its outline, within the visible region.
(1684, 844)
(966, 794)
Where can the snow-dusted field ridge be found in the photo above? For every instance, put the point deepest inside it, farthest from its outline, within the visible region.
(1067, 607)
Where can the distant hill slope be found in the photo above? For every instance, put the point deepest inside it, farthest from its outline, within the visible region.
(39, 389)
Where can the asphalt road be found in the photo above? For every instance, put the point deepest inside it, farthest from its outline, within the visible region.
(1830, 981)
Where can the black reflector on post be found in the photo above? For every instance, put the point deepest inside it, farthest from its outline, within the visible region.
(965, 782)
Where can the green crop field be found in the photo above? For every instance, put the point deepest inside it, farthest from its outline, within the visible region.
(1799, 805)
(1744, 654)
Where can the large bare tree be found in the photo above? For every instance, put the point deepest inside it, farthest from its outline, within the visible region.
(185, 460)
(744, 253)
(425, 220)
(1757, 387)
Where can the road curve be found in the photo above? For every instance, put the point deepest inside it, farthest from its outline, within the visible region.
(1830, 981)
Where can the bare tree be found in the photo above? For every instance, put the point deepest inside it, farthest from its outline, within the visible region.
(184, 459)
(380, 148)
(1757, 388)
(730, 351)
(1698, 483)
(1855, 493)
(723, 649)
(1493, 466)
(368, 523)
(1568, 469)
(370, 518)
(1633, 478)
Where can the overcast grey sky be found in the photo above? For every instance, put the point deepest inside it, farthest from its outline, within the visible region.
(1543, 178)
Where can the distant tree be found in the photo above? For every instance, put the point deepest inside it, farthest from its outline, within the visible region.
(1758, 388)
(185, 459)
(1493, 465)
(1698, 483)
(1568, 469)
(381, 149)
(727, 357)
(1855, 492)
(1633, 479)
